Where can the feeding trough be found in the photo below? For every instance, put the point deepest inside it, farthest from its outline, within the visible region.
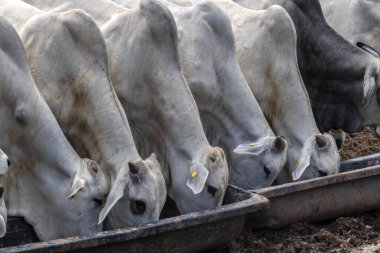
(355, 190)
(192, 232)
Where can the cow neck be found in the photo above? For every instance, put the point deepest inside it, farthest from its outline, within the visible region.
(282, 103)
(97, 122)
(35, 141)
(110, 143)
(227, 122)
(334, 105)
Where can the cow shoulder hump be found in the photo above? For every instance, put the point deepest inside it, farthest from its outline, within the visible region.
(84, 29)
(217, 20)
(161, 21)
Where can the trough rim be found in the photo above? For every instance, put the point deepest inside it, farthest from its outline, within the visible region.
(240, 208)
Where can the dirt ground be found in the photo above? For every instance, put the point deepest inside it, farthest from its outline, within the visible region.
(360, 233)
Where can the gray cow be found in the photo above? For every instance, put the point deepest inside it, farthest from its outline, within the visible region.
(68, 61)
(45, 168)
(145, 72)
(333, 69)
(230, 115)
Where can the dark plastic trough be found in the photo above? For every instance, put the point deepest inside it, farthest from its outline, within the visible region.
(193, 232)
(352, 191)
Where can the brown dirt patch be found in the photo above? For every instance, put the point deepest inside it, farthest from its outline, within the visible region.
(359, 144)
(341, 235)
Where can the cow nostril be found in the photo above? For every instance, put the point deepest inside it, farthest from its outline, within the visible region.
(9, 162)
(211, 190)
(98, 201)
(322, 173)
(267, 170)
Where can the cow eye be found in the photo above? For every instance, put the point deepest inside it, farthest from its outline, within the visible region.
(138, 207)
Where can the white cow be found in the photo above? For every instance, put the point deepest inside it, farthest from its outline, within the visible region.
(45, 168)
(229, 112)
(4, 167)
(266, 48)
(356, 20)
(68, 61)
(145, 72)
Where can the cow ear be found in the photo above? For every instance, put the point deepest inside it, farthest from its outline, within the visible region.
(253, 148)
(368, 49)
(116, 193)
(198, 178)
(301, 165)
(80, 176)
(78, 184)
(4, 163)
(368, 89)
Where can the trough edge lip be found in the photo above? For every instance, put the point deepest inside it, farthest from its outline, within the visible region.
(240, 208)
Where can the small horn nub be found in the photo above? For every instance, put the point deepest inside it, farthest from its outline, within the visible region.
(321, 141)
(279, 143)
(133, 168)
(213, 156)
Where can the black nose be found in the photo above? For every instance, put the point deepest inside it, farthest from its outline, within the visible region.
(9, 162)
(267, 170)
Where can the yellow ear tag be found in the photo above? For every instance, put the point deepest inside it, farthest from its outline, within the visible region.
(298, 163)
(193, 174)
(251, 145)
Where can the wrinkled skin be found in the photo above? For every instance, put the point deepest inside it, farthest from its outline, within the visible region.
(45, 168)
(72, 73)
(158, 103)
(333, 69)
(4, 167)
(230, 114)
(266, 49)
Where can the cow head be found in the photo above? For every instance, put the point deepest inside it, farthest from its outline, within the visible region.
(263, 160)
(205, 182)
(138, 195)
(319, 157)
(371, 96)
(4, 166)
(88, 193)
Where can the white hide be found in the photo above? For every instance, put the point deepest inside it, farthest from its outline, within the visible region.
(145, 72)
(71, 71)
(266, 48)
(230, 114)
(45, 168)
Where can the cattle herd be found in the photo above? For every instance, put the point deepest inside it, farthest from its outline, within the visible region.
(174, 98)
